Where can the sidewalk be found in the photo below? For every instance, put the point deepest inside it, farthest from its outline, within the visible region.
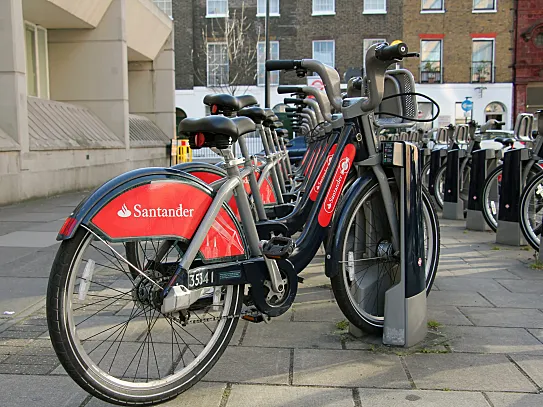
(484, 349)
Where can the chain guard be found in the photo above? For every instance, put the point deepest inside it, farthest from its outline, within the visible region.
(257, 275)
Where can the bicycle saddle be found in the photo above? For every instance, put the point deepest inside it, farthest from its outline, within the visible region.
(281, 132)
(276, 124)
(246, 100)
(256, 114)
(215, 131)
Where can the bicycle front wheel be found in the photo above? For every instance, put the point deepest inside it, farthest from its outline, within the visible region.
(107, 328)
(367, 268)
(531, 211)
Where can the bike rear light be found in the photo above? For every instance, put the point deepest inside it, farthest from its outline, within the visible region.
(68, 227)
(199, 139)
(214, 109)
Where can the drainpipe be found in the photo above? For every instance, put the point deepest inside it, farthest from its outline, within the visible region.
(515, 48)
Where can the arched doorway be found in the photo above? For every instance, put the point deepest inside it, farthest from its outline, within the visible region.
(496, 111)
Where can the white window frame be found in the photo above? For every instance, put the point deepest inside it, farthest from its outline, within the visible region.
(440, 57)
(263, 64)
(207, 66)
(492, 72)
(261, 10)
(494, 10)
(166, 6)
(323, 13)
(333, 50)
(431, 11)
(208, 15)
(375, 11)
(39, 63)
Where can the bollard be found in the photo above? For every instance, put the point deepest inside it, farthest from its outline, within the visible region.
(453, 205)
(481, 161)
(405, 302)
(509, 232)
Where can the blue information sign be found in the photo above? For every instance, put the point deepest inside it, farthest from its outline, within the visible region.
(467, 105)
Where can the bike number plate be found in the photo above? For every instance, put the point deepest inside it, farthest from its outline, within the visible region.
(200, 278)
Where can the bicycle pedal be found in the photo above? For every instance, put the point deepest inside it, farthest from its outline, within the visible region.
(278, 247)
(254, 315)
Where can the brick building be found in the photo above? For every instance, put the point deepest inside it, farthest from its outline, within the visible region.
(528, 65)
(335, 32)
(466, 51)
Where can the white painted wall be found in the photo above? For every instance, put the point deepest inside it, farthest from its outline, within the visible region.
(446, 95)
(191, 101)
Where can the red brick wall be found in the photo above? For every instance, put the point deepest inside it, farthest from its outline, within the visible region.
(529, 58)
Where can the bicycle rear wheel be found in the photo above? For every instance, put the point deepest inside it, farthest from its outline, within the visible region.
(108, 330)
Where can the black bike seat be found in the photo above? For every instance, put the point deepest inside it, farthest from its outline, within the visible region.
(218, 131)
(246, 100)
(222, 103)
(256, 114)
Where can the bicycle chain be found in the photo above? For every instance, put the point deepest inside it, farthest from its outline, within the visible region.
(211, 319)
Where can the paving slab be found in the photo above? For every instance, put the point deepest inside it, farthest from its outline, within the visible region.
(461, 371)
(348, 368)
(468, 284)
(201, 395)
(29, 239)
(514, 300)
(504, 317)
(8, 227)
(36, 264)
(491, 340)
(457, 298)
(321, 311)
(515, 399)
(526, 273)
(447, 315)
(532, 365)
(9, 254)
(522, 286)
(21, 216)
(42, 391)
(46, 227)
(282, 396)
(284, 334)
(252, 365)
(420, 398)
(18, 294)
(310, 294)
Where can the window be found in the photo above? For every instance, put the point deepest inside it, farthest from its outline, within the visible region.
(37, 61)
(433, 5)
(165, 6)
(375, 6)
(324, 51)
(261, 58)
(538, 39)
(484, 5)
(430, 61)
(217, 64)
(217, 8)
(261, 8)
(324, 7)
(482, 61)
(367, 44)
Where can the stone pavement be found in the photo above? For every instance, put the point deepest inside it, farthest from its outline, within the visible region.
(484, 347)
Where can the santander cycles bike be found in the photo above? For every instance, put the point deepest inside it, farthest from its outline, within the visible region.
(141, 328)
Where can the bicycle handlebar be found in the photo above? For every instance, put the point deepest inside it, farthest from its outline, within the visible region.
(385, 52)
(294, 101)
(282, 65)
(282, 89)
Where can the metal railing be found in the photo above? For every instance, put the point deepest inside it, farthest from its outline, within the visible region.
(482, 72)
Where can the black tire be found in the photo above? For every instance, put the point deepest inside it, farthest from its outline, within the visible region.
(341, 287)
(88, 375)
(439, 186)
(426, 174)
(531, 204)
(491, 206)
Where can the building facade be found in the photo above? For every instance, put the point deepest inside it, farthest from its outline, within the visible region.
(528, 66)
(466, 49)
(87, 92)
(335, 32)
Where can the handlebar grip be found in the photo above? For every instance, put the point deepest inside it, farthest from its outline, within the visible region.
(291, 109)
(386, 52)
(282, 64)
(289, 89)
(294, 101)
(292, 115)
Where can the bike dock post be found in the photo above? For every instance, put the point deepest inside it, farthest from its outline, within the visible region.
(453, 206)
(509, 232)
(482, 162)
(405, 302)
